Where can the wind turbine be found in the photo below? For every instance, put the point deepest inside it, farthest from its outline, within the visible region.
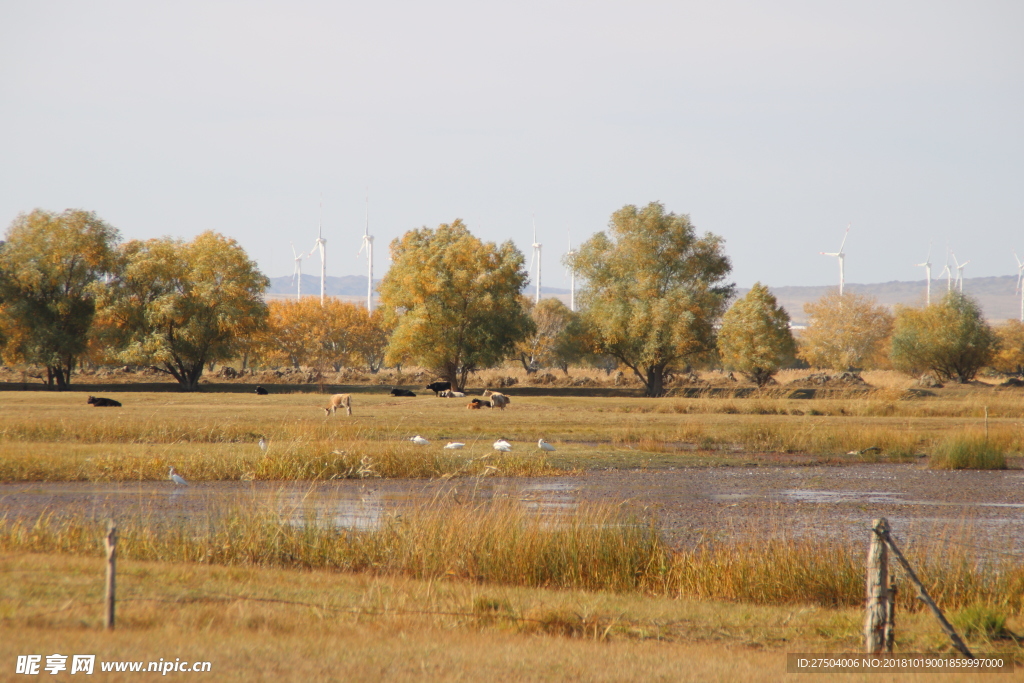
(569, 256)
(928, 275)
(536, 258)
(960, 271)
(321, 245)
(1020, 274)
(841, 256)
(948, 273)
(368, 244)
(297, 273)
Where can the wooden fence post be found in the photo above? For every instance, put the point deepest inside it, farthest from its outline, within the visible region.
(876, 608)
(925, 598)
(111, 544)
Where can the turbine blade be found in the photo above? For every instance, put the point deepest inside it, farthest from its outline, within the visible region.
(845, 235)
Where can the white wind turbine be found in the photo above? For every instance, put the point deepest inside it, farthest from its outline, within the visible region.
(297, 273)
(948, 273)
(536, 258)
(321, 245)
(960, 272)
(569, 256)
(1020, 274)
(928, 275)
(368, 244)
(841, 256)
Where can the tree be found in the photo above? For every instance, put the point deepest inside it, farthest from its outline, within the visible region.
(654, 291)
(49, 266)
(755, 338)
(176, 306)
(550, 317)
(950, 338)
(453, 301)
(845, 332)
(1010, 356)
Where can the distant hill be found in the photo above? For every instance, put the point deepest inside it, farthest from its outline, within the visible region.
(345, 286)
(997, 295)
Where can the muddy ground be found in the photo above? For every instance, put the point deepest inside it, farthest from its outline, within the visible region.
(690, 504)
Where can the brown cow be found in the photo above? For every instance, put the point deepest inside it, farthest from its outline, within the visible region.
(338, 401)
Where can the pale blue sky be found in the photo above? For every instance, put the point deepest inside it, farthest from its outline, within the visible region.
(773, 124)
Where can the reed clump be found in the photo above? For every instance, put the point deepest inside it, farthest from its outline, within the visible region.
(967, 452)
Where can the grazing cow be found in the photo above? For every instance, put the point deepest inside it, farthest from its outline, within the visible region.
(438, 387)
(339, 401)
(401, 392)
(261, 391)
(477, 404)
(100, 402)
(498, 399)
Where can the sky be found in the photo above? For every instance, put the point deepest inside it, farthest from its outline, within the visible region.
(772, 124)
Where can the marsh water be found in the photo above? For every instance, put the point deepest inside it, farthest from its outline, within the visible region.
(689, 504)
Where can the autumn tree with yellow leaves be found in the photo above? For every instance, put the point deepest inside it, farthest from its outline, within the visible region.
(175, 305)
(453, 301)
(654, 291)
(50, 265)
(755, 338)
(845, 332)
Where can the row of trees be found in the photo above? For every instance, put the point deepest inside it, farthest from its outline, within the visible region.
(656, 301)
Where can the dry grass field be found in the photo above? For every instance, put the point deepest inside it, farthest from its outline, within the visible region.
(470, 592)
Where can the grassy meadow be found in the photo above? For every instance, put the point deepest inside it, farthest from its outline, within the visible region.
(456, 590)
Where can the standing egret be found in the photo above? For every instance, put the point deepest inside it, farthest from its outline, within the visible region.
(178, 480)
(502, 445)
(544, 445)
(263, 444)
(455, 445)
(419, 440)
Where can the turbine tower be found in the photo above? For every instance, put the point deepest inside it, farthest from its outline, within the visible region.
(297, 273)
(368, 244)
(321, 246)
(841, 256)
(928, 276)
(569, 256)
(536, 258)
(960, 272)
(948, 273)
(1020, 274)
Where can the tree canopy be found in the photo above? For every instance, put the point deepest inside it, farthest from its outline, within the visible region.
(49, 266)
(453, 301)
(950, 338)
(755, 338)
(176, 306)
(845, 332)
(1010, 355)
(654, 291)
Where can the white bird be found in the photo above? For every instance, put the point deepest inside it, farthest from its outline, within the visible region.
(455, 445)
(419, 440)
(263, 444)
(502, 445)
(544, 445)
(178, 480)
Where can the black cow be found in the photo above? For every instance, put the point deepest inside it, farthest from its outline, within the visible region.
(100, 402)
(261, 391)
(477, 404)
(401, 392)
(438, 387)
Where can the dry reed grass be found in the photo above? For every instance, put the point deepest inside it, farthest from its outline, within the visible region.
(503, 543)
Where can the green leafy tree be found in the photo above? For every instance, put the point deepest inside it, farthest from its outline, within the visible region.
(654, 291)
(49, 267)
(177, 306)
(950, 338)
(844, 332)
(755, 338)
(453, 301)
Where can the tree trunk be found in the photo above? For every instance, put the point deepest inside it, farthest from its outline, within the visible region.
(655, 380)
